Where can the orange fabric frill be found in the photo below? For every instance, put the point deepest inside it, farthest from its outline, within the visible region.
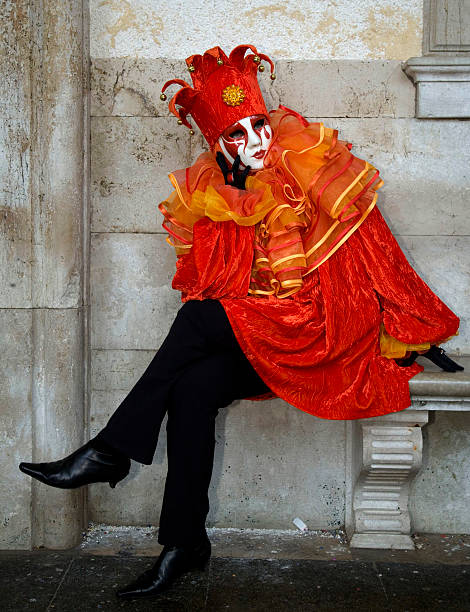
(311, 196)
(319, 347)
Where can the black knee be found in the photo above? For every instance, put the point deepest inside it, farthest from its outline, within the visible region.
(201, 391)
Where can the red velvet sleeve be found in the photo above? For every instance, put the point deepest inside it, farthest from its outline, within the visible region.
(412, 313)
(219, 262)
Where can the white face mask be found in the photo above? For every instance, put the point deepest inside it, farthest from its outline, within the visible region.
(250, 139)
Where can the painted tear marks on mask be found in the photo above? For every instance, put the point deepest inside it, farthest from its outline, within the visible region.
(250, 139)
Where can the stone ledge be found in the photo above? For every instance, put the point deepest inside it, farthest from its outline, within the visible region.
(388, 541)
(433, 384)
(442, 86)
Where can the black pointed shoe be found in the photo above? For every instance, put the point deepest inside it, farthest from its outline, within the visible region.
(82, 467)
(437, 355)
(171, 564)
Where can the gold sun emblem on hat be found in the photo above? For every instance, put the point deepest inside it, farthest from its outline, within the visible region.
(233, 95)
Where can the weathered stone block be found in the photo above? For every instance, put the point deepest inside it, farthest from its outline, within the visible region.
(16, 427)
(58, 405)
(15, 65)
(440, 494)
(117, 369)
(273, 463)
(356, 29)
(42, 137)
(427, 184)
(330, 88)
(58, 75)
(133, 304)
(15, 214)
(15, 157)
(444, 99)
(131, 159)
(343, 88)
(443, 263)
(130, 86)
(447, 27)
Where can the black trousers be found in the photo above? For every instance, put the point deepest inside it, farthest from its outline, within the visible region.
(198, 369)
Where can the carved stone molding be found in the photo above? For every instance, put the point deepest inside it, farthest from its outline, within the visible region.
(446, 26)
(442, 86)
(442, 76)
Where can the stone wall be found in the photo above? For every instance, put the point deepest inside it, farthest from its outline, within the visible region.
(336, 62)
(291, 464)
(292, 30)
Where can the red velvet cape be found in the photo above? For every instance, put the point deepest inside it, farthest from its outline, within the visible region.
(319, 349)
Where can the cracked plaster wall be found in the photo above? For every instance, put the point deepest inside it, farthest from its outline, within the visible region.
(311, 29)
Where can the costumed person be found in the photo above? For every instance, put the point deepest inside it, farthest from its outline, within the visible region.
(292, 287)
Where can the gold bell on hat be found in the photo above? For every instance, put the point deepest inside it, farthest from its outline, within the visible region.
(261, 68)
(162, 97)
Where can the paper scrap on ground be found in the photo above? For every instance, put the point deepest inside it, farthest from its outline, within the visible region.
(300, 524)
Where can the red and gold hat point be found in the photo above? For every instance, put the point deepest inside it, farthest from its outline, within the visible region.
(225, 89)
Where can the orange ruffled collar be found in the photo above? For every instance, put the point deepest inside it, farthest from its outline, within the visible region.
(311, 196)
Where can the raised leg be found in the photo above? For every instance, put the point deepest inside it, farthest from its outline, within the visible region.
(201, 328)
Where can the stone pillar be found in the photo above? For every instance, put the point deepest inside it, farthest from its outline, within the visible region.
(44, 259)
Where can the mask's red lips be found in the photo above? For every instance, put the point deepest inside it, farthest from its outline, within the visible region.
(260, 154)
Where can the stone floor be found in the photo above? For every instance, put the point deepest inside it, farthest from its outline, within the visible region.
(250, 570)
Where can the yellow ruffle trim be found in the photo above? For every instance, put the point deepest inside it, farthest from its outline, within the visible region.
(210, 203)
(392, 348)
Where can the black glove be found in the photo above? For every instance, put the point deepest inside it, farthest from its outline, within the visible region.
(435, 354)
(237, 178)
